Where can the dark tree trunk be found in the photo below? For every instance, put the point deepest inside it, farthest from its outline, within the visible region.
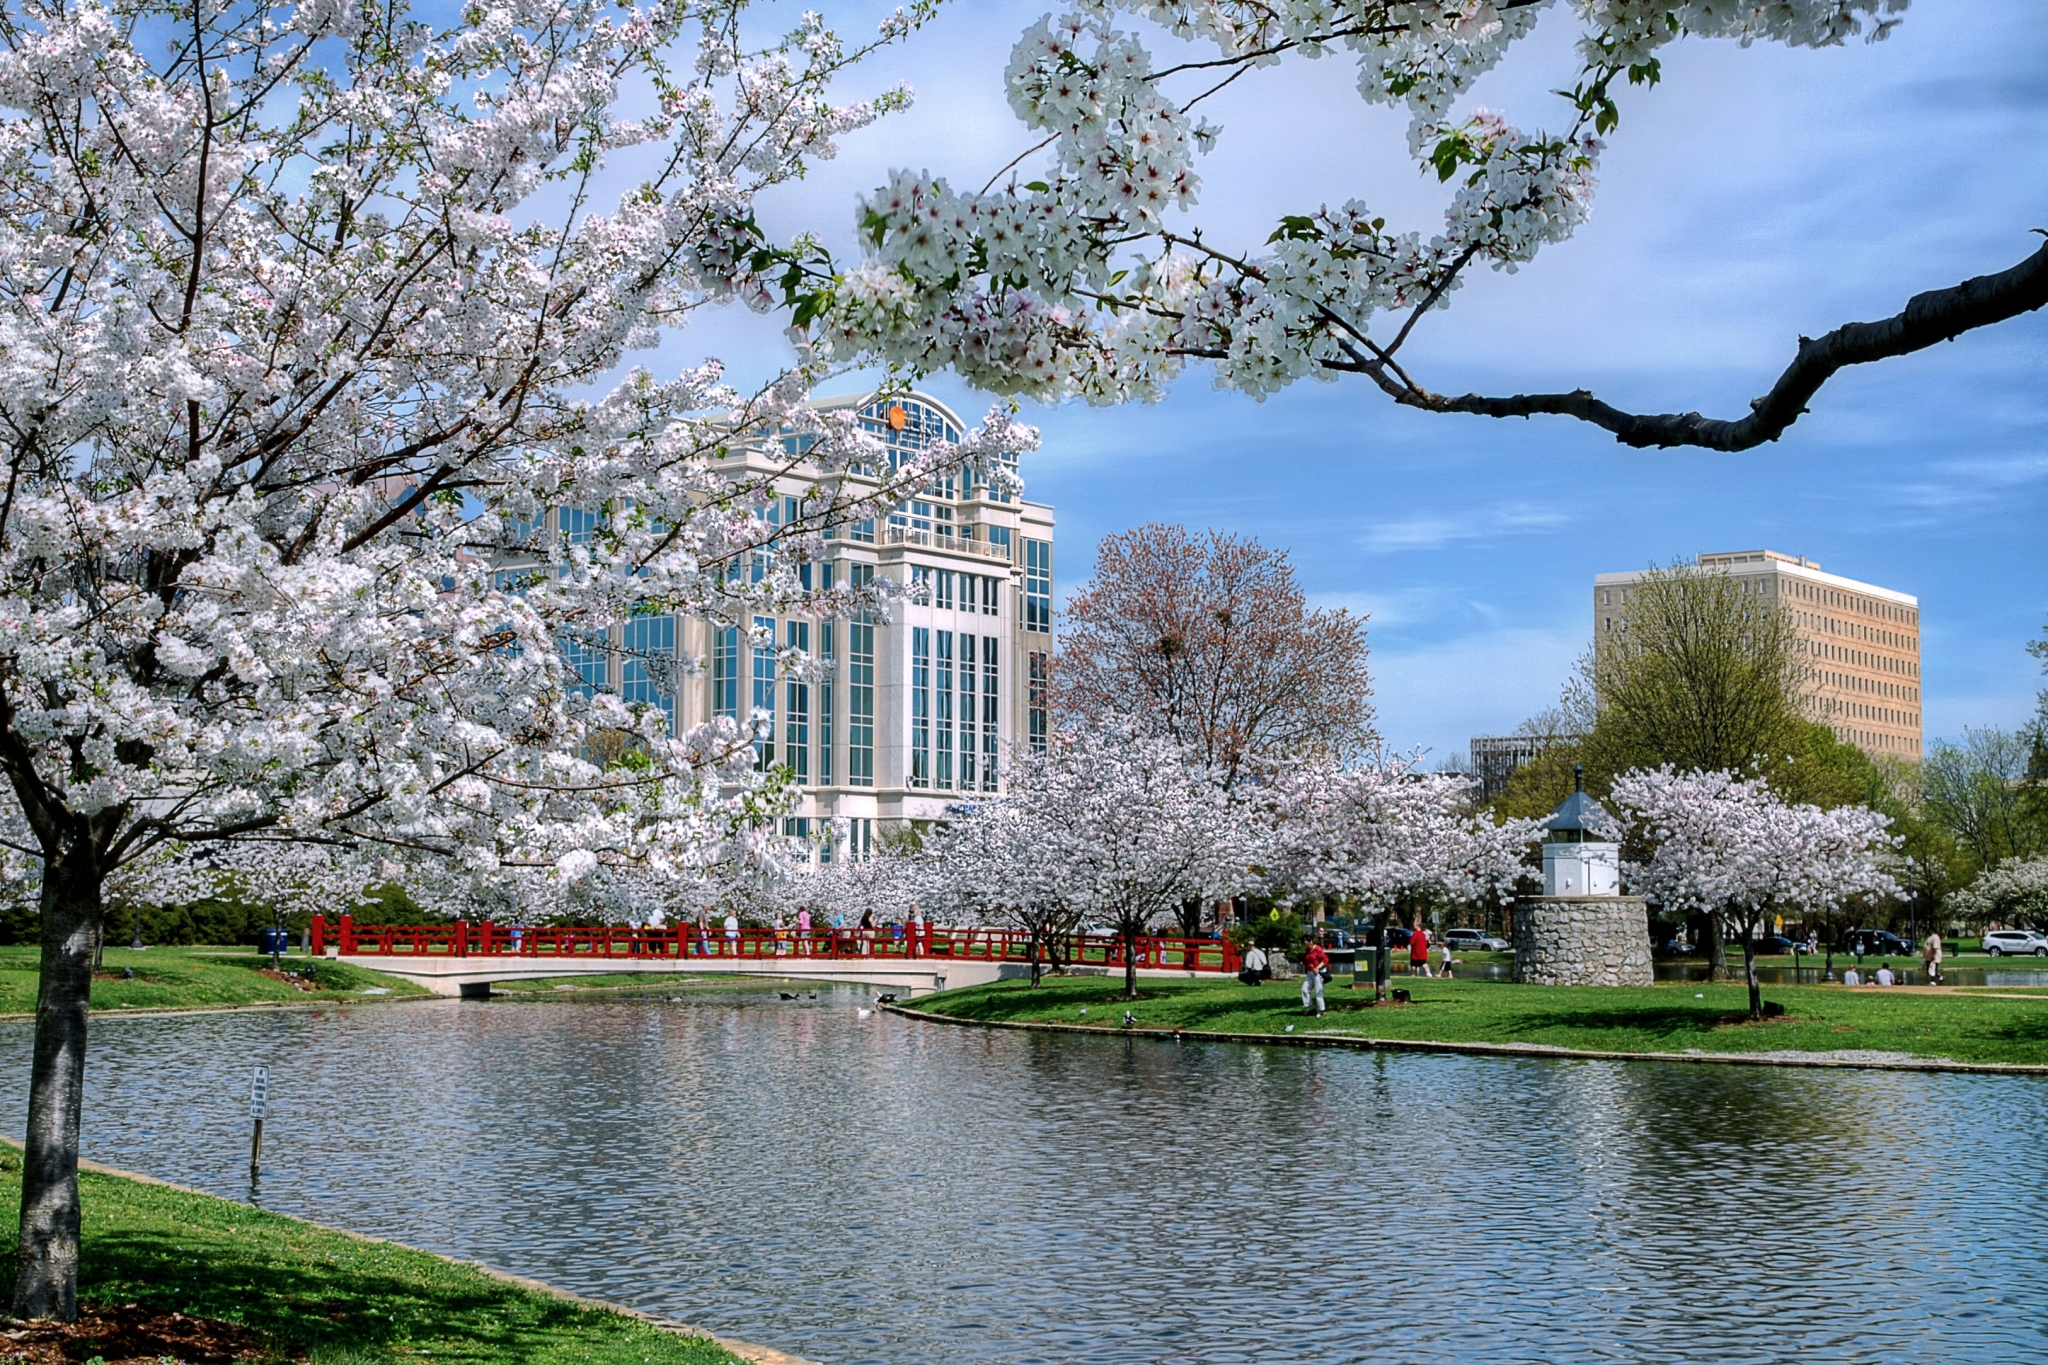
(1756, 992)
(46, 1281)
(1037, 941)
(1717, 949)
(1130, 963)
(1379, 958)
(1190, 915)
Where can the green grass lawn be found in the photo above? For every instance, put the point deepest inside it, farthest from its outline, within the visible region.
(1673, 1017)
(328, 1297)
(186, 978)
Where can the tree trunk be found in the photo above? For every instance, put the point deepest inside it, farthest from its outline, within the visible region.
(1130, 964)
(1756, 992)
(46, 1281)
(1717, 949)
(1190, 915)
(1037, 937)
(1379, 958)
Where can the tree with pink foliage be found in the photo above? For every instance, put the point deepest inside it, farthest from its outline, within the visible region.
(1733, 850)
(1123, 827)
(1389, 835)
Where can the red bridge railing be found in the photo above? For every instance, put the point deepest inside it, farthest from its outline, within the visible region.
(485, 939)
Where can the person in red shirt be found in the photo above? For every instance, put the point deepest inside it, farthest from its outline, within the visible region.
(1418, 952)
(1312, 964)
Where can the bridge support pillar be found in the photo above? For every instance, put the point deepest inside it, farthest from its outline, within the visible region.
(476, 990)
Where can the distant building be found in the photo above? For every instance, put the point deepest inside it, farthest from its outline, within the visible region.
(909, 715)
(1496, 757)
(1862, 643)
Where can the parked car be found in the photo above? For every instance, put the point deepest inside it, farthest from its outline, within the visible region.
(2015, 943)
(1773, 945)
(1475, 941)
(1876, 943)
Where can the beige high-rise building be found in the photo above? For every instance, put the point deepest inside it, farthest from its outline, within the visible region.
(1862, 642)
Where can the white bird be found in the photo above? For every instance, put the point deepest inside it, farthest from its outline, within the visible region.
(1699, 995)
(1084, 1011)
(865, 1013)
(1290, 1028)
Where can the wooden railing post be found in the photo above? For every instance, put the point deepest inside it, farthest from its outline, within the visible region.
(318, 942)
(462, 938)
(348, 933)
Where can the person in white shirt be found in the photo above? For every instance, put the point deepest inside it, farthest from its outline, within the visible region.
(1885, 977)
(1852, 977)
(1255, 968)
(732, 935)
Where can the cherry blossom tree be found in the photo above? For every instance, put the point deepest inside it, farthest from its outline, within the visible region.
(1124, 827)
(1733, 850)
(1209, 640)
(989, 867)
(2014, 892)
(1389, 835)
(1095, 277)
(308, 316)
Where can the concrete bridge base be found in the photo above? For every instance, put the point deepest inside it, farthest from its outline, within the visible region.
(471, 977)
(908, 977)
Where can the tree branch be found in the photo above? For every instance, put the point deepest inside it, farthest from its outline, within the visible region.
(1938, 315)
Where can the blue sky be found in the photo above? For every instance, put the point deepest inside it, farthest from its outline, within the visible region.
(1754, 196)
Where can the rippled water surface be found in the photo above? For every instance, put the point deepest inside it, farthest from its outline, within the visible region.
(877, 1190)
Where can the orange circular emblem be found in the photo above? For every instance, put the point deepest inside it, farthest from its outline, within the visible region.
(898, 419)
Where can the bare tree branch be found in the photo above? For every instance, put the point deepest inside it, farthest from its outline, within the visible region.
(1938, 315)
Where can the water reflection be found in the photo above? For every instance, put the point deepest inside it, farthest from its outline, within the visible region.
(881, 1191)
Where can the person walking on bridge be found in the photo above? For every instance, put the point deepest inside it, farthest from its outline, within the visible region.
(732, 934)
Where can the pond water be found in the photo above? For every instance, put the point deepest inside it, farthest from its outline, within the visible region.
(878, 1190)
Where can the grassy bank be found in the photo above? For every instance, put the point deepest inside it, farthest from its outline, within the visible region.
(1677, 1017)
(188, 978)
(305, 1293)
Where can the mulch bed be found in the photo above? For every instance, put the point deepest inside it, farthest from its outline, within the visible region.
(129, 1334)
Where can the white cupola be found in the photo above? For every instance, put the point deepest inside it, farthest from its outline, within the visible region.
(1575, 863)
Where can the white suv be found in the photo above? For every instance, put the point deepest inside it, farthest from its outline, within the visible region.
(2015, 942)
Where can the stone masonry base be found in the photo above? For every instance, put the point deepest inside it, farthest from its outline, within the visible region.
(1589, 941)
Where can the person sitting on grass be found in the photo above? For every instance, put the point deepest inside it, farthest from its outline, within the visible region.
(1852, 977)
(1885, 977)
(1255, 968)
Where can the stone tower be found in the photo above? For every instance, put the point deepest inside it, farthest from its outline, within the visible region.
(1581, 931)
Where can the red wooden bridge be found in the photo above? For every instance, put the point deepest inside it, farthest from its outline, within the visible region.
(465, 957)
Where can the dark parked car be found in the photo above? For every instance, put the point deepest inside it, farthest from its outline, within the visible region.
(1772, 945)
(1876, 943)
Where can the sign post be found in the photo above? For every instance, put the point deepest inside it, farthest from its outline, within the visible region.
(259, 1101)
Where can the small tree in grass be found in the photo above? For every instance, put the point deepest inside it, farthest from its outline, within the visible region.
(988, 867)
(1389, 835)
(1127, 829)
(1732, 849)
